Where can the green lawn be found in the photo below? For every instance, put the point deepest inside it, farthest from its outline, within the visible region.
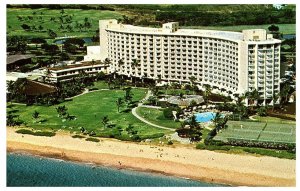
(263, 131)
(89, 110)
(14, 24)
(284, 28)
(100, 85)
(156, 116)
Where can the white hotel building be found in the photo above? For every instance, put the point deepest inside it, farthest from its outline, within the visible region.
(235, 61)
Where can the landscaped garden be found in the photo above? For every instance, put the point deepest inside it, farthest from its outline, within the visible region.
(157, 117)
(94, 113)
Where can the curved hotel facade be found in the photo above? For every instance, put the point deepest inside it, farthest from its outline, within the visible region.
(233, 61)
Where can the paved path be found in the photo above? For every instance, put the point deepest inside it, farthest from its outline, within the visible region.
(149, 123)
(251, 117)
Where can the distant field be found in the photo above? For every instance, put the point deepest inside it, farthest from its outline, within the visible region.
(42, 17)
(261, 131)
(284, 28)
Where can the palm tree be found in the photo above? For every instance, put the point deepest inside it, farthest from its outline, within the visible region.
(135, 62)
(192, 81)
(120, 63)
(274, 100)
(284, 93)
(252, 97)
(107, 61)
(119, 103)
(207, 93)
(35, 115)
(11, 90)
(105, 120)
(128, 94)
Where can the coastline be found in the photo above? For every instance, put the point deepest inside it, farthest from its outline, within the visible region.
(202, 165)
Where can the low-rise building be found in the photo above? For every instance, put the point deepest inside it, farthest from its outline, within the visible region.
(69, 71)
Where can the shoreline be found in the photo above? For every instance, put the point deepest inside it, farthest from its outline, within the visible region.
(181, 162)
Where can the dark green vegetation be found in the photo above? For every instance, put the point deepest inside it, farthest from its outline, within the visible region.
(90, 109)
(78, 136)
(36, 133)
(92, 139)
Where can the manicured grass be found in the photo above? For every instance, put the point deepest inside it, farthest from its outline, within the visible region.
(156, 116)
(284, 28)
(100, 85)
(89, 110)
(14, 25)
(273, 120)
(263, 131)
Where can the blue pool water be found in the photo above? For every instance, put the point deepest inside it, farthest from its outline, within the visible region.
(205, 117)
(27, 170)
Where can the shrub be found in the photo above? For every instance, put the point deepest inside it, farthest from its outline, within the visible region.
(212, 147)
(44, 133)
(168, 113)
(37, 133)
(153, 136)
(78, 136)
(268, 145)
(92, 139)
(170, 142)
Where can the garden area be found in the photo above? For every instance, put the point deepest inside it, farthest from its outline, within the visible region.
(156, 116)
(95, 114)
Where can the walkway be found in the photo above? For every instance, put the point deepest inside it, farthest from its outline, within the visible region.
(149, 123)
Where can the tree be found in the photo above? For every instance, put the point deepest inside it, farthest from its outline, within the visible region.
(17, 43)
(52, 34)
(11, 90)
(119, 103)
(192, 81)
(274, 100)
(26, 27)
(219, 121)
(252, 97)
(134, 63)
(105, 120)
(107, 61)
(130, 129)
(262, 111)
(128, 94)
(100, 76)
(193, 132)
(273, 28)
(207, 93)
(35, 115)
(284, 93)
(63, 56)
(41, 28)
(62, 111)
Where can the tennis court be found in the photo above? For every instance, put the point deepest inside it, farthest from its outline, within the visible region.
(260, 131)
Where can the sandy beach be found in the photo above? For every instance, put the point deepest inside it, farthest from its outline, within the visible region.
(208, 166)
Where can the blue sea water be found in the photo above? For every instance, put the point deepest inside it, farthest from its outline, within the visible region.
(26, 170)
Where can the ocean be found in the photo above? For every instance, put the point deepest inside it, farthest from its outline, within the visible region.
(28, 171)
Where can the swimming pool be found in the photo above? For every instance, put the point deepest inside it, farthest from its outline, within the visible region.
(205, 117)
